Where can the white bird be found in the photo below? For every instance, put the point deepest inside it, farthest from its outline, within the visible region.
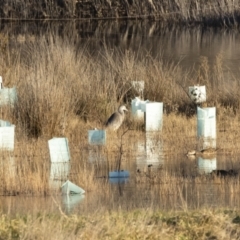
(116, 119)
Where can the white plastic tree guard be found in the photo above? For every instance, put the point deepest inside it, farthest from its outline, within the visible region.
(143, 105)
(206, 127)
(59, 171)
(139, 87)
(198, 94)
(7, 132)
(97, 137)
(140, 153)
(8, 96)
(154, 150)
(154, 116)
(206, 165)
(138, 107)
(59, 150)
(71, 188)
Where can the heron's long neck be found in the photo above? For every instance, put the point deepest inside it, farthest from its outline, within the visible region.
(121, 111)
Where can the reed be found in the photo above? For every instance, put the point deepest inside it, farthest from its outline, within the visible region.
(140, 224)
(64, 92)
(61, 85)
(217, 13)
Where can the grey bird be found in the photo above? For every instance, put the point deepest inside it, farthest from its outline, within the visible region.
(116, 119)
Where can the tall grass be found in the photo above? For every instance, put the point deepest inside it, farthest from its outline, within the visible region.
(195, 11)
(137, 224)
(64, 92)
(59, 86)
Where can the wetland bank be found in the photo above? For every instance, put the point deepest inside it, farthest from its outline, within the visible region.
(69, 81)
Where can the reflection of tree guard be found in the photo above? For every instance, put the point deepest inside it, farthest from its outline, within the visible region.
(154, 149)
(207, 165)
(206, 127)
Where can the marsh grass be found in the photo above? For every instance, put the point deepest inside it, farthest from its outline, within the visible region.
(136, 224)
(64, 92)
(217, 13)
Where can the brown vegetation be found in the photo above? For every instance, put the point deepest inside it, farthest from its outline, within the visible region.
(137, 224)
(64, 92)
(224, 13)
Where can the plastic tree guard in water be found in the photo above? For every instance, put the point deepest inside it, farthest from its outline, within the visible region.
(71, 188)
(59, 171)
(59, 150)
(8, 96)
(7, 132)
(97, 137)
(206, 127)
(138, 108)
(154, 116)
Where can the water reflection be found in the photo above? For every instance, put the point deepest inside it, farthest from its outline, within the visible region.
(172, 42)
(59, 173)
(207, 164)
(96, 154)
(11, 167)
(71, 201)
(150, 151)
(154, 149)
(187, 192)
(119, 180)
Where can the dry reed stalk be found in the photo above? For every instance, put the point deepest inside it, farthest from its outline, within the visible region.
(138, 223)
(210, 13)
(58, 97)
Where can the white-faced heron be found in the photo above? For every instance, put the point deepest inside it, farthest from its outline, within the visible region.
(116, 119)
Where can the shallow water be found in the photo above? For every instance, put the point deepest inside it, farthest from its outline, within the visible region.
(183, 45)
(192, 186)
(172, 44)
